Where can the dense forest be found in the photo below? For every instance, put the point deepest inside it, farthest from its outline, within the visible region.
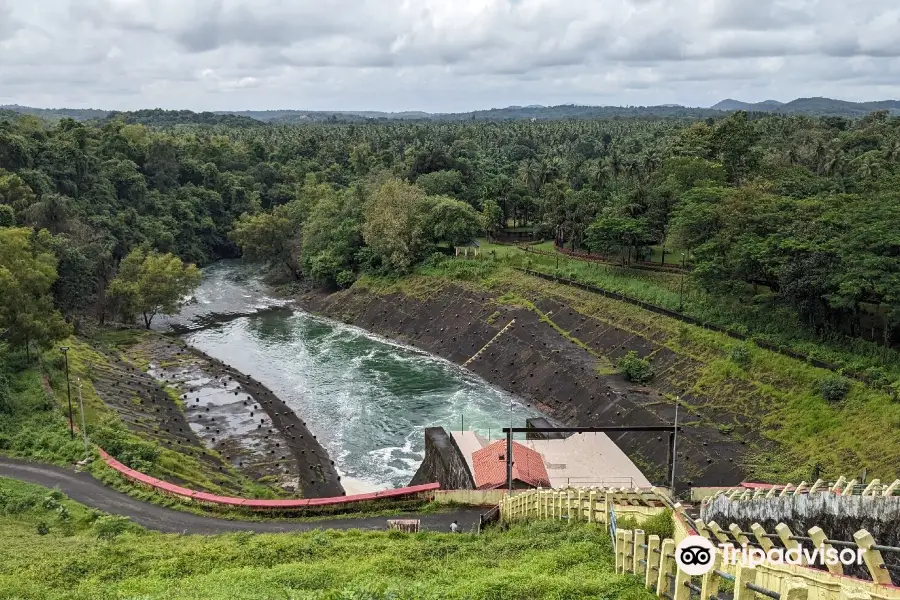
(807, 208)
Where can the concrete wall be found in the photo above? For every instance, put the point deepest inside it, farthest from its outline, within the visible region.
(541, 423)
(443, 463)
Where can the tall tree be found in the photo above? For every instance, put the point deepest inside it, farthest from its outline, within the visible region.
(27, 272)
(150, 283)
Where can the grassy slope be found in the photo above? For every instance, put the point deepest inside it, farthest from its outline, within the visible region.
(750, 314)
(542, 560)
(777, 393)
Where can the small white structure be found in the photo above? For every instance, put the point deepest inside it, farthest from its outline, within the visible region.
(464, 248)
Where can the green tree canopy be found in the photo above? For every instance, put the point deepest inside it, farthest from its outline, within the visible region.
(390, 225)
(27, 272)
(150, 283)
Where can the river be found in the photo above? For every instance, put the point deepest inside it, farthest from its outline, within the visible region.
(368, 399)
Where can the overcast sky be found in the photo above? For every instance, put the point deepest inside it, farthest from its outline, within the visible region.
(442, 55)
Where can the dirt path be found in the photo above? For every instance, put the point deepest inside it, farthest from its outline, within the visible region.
(83, 488)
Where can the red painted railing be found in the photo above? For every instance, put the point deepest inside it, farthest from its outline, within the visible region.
(176, 490)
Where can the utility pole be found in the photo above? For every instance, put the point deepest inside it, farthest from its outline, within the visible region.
(509, 444)
(83, 426)
(675, 441)
(65, 351)
(681, 287)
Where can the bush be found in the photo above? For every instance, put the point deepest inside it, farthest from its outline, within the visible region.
(43, 528)
(740, 355)
(345, 278)
(661, 525)
(834, 389)
(128, 449)
(878, 377)
(109, 527)
(6, 399)
(635, 369)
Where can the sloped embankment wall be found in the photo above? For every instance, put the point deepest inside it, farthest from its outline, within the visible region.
(555, 371)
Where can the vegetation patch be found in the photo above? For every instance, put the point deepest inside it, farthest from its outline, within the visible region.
(99, 557)
(635, 368)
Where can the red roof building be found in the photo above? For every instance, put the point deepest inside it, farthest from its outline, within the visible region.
(490, 467)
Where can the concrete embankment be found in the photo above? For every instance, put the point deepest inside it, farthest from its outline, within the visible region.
(191, 402)
(553, 357)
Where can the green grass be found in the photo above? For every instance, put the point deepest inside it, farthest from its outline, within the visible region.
(88, 556)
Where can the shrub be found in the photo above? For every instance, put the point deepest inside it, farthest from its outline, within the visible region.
(894, 391)
(109, 527)
(6, 399)
(345, 278)
(740, 355)
(130, 450)
(634, 368)
(660, 524)
(834, 389)
(43, 528)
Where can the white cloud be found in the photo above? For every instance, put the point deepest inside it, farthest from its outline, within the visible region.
(441, 55)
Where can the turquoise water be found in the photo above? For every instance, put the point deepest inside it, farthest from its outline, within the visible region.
(367, 399)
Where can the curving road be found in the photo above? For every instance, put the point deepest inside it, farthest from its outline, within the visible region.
(83, 488)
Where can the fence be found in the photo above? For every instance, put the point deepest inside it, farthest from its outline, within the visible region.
(653, 559)
(586, 504)
(642, 265)
(262, 505)
(842, 486)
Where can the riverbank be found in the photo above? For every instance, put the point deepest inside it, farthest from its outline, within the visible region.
(166, 410)
(758, 417)
(207, 403)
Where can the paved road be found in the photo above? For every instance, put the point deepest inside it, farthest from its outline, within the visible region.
(83, 488)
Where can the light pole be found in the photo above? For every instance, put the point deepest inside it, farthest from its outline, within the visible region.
(681, 287)
(65, 351)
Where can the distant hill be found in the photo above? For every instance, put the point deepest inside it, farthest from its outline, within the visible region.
(255, 118)
(575, 111)
(817, 107)
(158, 117)
(55, 114)
(733, 105)
(300, 116)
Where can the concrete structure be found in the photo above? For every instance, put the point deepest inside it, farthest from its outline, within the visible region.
(585, 459)
(444, 462)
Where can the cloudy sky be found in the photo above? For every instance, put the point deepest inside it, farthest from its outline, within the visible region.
(442, 55)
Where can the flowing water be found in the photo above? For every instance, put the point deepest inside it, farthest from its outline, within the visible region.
(366, 398)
